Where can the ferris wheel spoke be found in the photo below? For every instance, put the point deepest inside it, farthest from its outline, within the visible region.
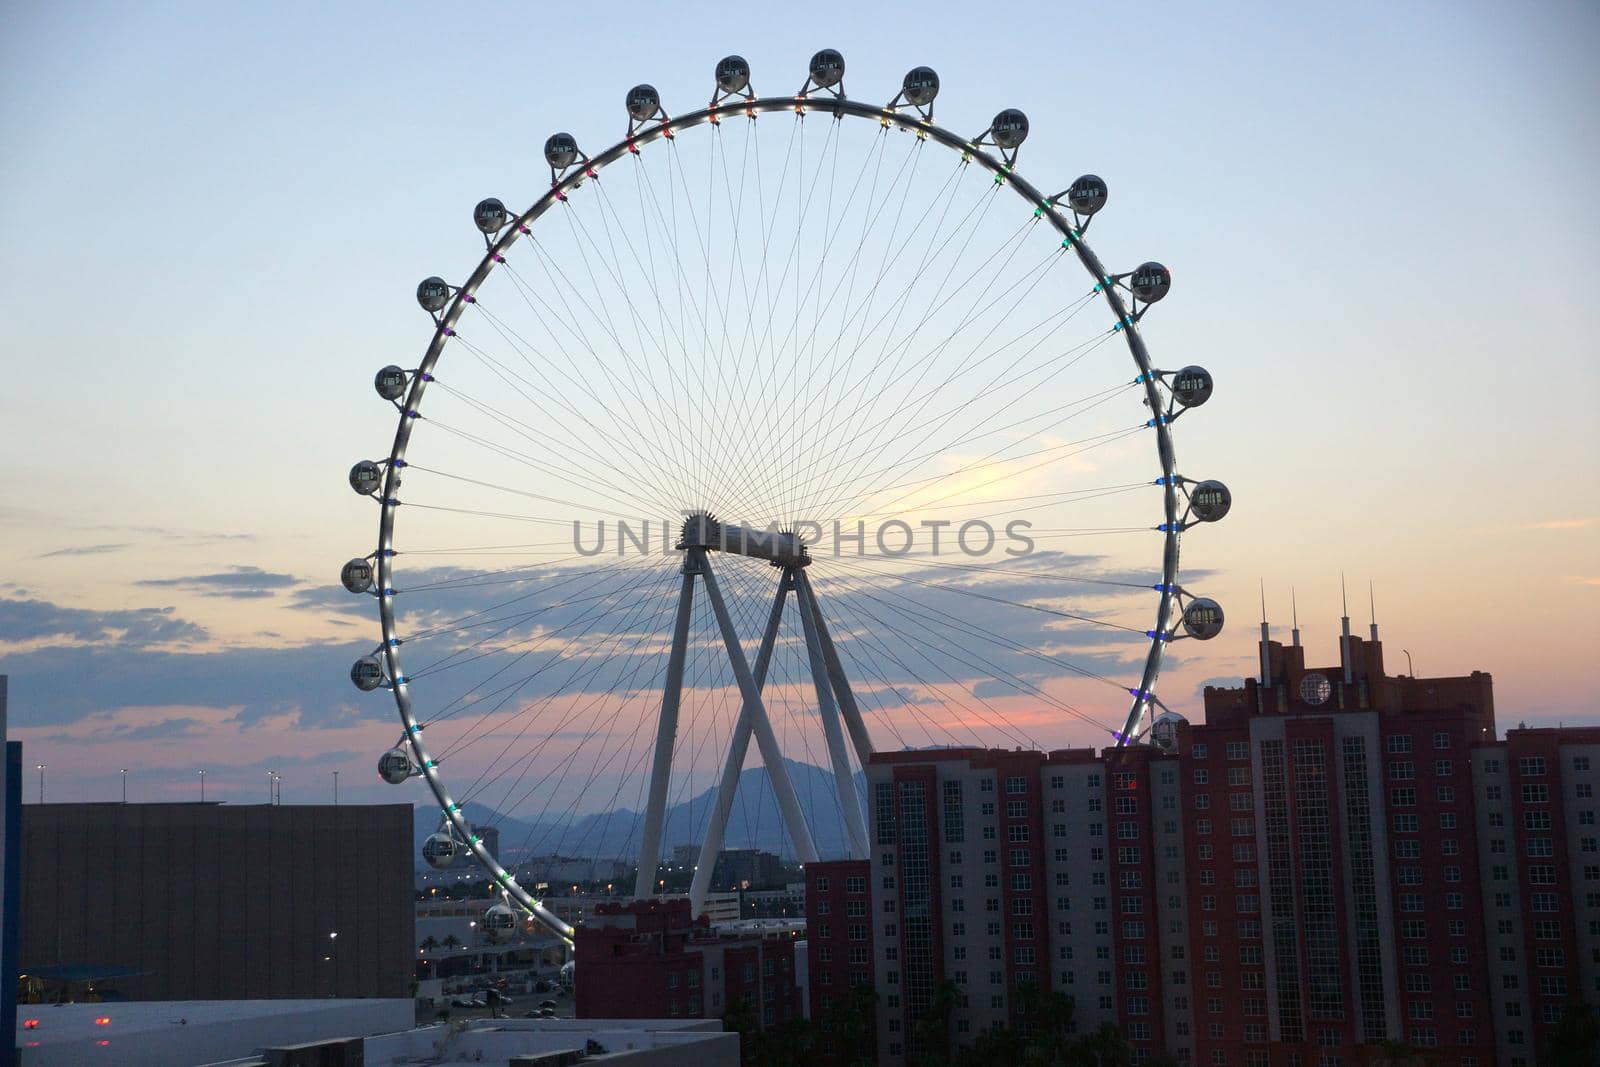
(602, 653)
(573, 477)
(622, 428)
(959, 707)
(489, 621)
(962, 652)
(604, 435)
(666, 223)
(654, 416)
(478, 649)
(976, 429)
(890, 258)
(554, 412)
(689, 406)
(984, 425)
(1055, 453)
(877, 428)
(580, 712)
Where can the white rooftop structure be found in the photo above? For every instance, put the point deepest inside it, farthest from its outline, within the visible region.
(233, 1033)
(181, 1033)
(620, 1042)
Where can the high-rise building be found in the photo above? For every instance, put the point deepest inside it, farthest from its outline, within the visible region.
(1334, 858)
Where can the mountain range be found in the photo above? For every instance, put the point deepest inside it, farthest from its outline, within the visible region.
(754, 822)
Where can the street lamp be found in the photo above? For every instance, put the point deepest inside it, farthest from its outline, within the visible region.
(40, 768)
(202, 787)
(335, 788)
(124, 785)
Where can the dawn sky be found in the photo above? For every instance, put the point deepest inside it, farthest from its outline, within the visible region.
(1380, 220)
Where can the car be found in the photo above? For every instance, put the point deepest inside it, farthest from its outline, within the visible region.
(548, 1013)
(547, 1004)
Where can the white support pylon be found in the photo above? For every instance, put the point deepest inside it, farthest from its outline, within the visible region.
(753, 720)
(844, 781)
(859, 738)
(644, 883)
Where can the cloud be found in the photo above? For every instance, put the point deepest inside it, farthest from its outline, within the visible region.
(84, 550)
(237, 582)
(1582, 580)
(23, 621)
(107, 731)
(1562, 524)
(1221, 681)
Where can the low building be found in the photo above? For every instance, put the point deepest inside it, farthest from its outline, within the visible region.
(215, 901)
(650, 959)
(747, 868)
(518, 1042)
(375, 1033)
(176, 1033)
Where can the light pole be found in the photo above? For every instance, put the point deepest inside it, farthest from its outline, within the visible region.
(40, 768)
(335, 788)
(124, 785)
(202, 787)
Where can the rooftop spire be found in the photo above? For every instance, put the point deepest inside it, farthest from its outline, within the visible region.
(1372, 604)
(1294, 615)
(1344, 631)
(1266, 636)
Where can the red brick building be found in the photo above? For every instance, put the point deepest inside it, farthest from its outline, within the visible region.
(648, 960)
(1334, 858)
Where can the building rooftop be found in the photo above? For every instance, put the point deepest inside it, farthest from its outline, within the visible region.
(498, 1041)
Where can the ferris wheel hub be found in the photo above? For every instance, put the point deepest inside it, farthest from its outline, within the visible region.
(783, 548)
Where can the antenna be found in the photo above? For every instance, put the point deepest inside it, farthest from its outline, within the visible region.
(1294, 613)
(1372, 605)
(1266, 637)
(1344, 634)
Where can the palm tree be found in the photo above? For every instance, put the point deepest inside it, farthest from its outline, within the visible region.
(451, 941)
(428, 944)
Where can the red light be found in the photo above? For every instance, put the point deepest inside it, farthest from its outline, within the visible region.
(30, 1024)
(102, 1043)
(104, 1020)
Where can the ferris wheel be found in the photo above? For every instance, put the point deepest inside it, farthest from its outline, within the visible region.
(789, 419)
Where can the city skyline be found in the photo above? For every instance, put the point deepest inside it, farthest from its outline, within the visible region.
(258, 200)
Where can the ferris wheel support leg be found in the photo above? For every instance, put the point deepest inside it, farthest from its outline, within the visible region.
(859, 738)
(644, 883)
(753, 707)
(844, 781)
(738, 748)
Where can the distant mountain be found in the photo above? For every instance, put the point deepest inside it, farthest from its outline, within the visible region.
(754, 821)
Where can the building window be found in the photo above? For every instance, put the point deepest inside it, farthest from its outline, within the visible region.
(1531, 766)
(1397, 743)
(883, 796)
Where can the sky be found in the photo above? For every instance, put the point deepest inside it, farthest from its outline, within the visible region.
(1379, 217)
